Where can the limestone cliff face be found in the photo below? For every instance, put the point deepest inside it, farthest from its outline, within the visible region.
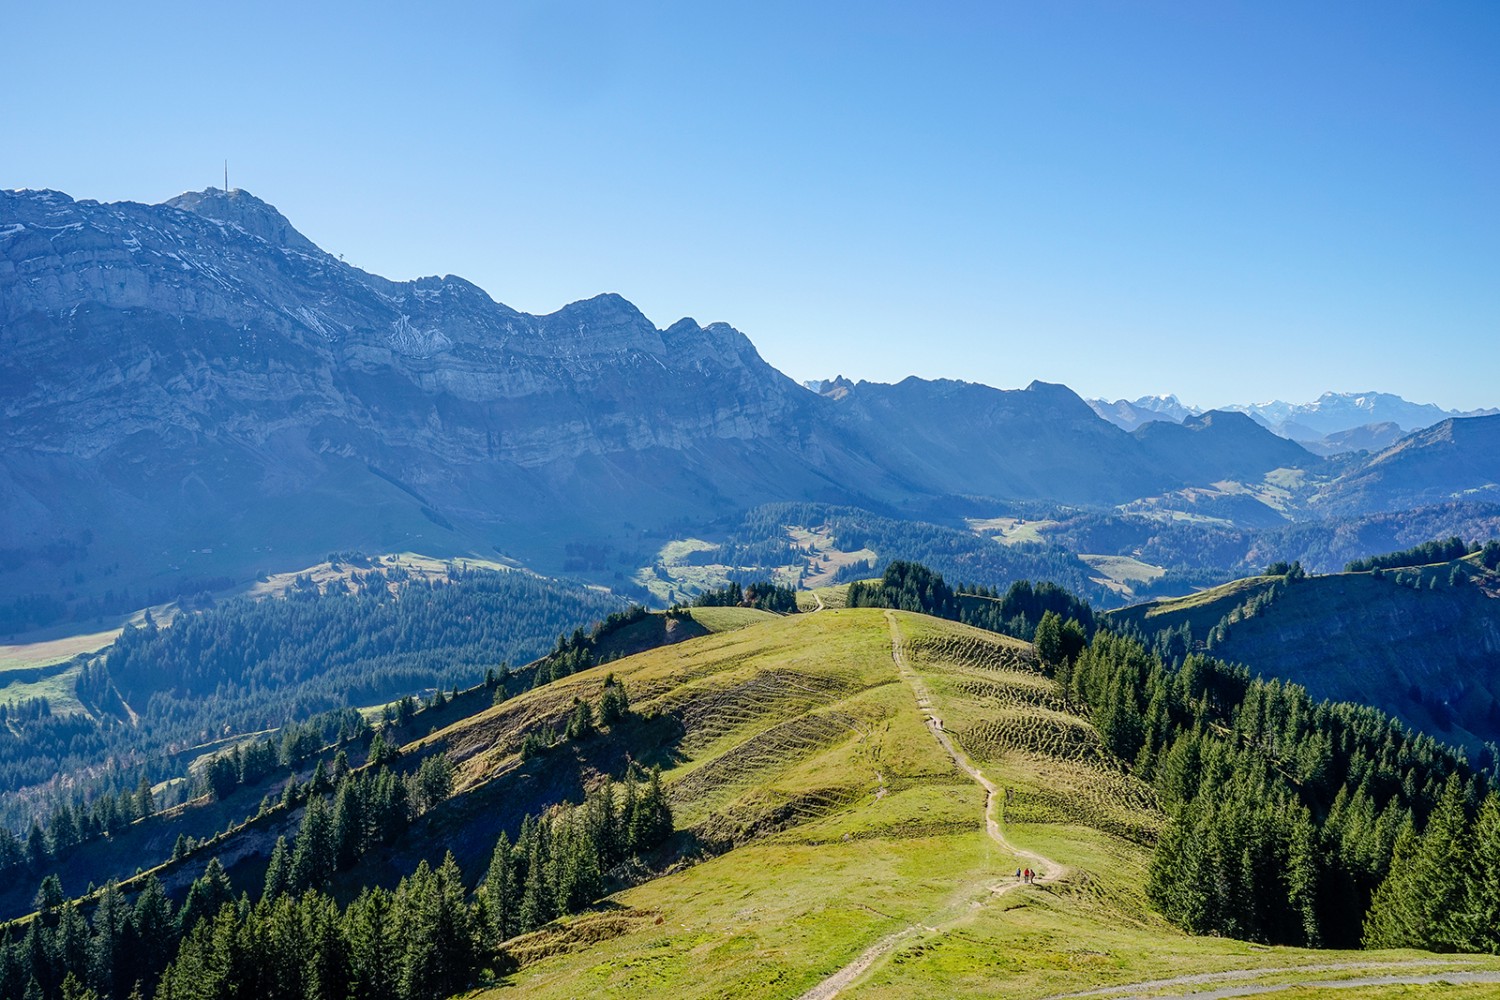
(197, 377)
(210, 314)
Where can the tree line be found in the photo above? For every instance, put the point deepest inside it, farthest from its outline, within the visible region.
(1436, 551)
(1292, 821)
(73, 822)
(1018, 612)
(761, 594)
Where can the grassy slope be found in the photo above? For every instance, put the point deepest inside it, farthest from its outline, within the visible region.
(825, 818)
(146, 845)
(1202, 610)
(800, 744)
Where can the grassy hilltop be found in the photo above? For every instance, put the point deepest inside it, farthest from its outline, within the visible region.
(838, 834)
(853, 791)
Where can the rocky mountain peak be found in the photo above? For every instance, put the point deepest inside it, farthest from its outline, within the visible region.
(1062, 401)
(834, 388)
(243, 210)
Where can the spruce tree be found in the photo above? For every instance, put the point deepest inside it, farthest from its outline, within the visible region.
(1395, 918)
(154, 934)
(499, 893)
(278, 872)
(580, 721)
(1445, 856)
(50, 895)
(206, 896)
(109, 949)
(1480, 918)
(453, 931)
(1049, 638)
(373, 938)
(313, 856)
(348, 825)
(71, 943)
(537, 896)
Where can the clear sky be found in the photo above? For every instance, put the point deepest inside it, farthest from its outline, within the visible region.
(1229, 201)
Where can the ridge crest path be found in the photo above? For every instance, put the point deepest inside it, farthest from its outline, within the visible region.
(844, 977)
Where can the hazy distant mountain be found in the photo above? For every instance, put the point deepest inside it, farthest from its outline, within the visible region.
(1129, 415)
(1458, 459)
(1370, 437)
(1220, 445)
(834, 388)
(1334, 423)
(950, 437)
(1335, 412)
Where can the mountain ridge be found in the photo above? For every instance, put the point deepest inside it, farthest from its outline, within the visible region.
(195, 393)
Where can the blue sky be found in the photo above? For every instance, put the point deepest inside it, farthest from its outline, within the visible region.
(1230, 201)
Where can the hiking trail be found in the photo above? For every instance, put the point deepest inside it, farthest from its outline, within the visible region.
(1048, 871)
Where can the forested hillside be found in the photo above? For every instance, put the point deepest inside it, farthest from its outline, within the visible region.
(1415, 633)
(249, 666)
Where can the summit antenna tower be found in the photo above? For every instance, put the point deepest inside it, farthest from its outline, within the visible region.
(226, 176)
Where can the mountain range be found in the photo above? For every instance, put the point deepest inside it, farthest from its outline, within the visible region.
(1334, 423)
(194, 392)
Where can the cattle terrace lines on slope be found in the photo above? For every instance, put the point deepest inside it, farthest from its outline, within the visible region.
(1055, 872)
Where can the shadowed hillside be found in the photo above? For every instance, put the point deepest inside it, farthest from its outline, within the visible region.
(1422, 643)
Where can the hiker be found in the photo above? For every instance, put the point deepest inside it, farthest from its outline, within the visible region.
(1018, 874)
